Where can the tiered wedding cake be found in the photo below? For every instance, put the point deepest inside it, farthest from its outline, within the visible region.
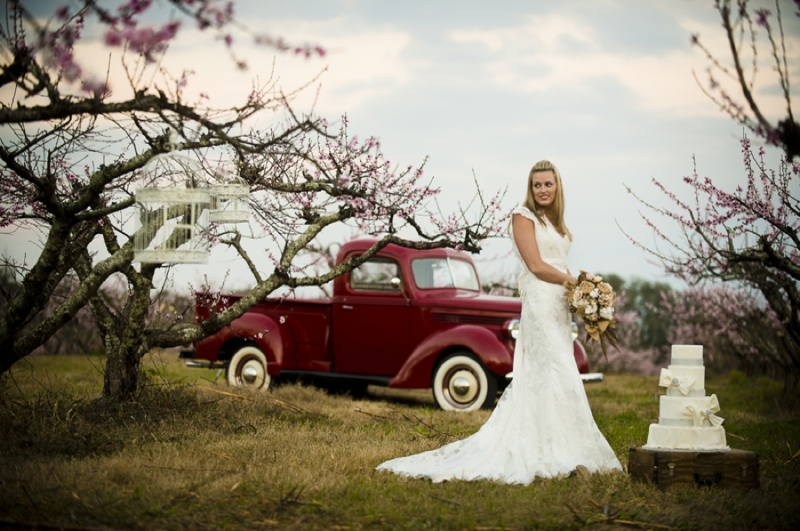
(687, 418)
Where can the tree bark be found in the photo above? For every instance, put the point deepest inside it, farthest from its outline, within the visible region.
(124, 338)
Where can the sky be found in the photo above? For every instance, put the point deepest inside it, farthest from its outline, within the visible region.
(605, 89)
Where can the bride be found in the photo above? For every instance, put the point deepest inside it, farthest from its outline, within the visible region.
(542, 425)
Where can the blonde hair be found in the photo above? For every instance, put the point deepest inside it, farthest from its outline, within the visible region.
(558, 203)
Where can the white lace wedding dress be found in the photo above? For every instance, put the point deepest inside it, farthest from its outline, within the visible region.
(542, 425)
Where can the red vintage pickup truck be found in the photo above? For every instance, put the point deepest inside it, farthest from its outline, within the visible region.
(404, 318)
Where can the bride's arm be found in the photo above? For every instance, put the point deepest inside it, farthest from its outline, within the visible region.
(525, 238)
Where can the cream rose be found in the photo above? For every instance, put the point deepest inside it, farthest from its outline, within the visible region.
(586, 286)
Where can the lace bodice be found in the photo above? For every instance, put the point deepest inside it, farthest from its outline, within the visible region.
(553, 248)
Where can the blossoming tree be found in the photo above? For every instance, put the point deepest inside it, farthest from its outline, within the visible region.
(741, 21)
(736, 327)
(747, 237)
(73, 153)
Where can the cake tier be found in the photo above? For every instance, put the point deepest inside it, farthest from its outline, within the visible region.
(681, 438)
(673, 410)
(694, 374)
(687, 355)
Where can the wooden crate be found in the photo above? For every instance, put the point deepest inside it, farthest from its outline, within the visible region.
(737, 469)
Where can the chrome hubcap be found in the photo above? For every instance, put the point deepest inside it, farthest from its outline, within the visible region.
(249, 374)
(252, 373)
(463, 387)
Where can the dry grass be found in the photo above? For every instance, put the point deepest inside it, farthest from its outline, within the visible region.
(182, 457)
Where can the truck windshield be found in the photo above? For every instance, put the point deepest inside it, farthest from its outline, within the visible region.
(430, 273)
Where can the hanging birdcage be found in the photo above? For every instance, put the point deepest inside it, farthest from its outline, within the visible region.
(229, 202)
(173, 212)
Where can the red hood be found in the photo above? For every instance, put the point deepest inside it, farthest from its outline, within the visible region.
(468, 300)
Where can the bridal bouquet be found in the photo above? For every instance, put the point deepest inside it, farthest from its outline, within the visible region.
(593, 301)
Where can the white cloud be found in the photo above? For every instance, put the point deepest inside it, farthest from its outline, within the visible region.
(361, 63)
(552, 51)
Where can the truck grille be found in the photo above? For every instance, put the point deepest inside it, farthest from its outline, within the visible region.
(468, 318)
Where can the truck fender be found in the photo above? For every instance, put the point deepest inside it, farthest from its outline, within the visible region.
(490, 349)
(265, 331)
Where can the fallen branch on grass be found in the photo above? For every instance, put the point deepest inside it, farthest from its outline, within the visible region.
(291, 498)
(28, 495)
(226, 394)
(373, 415)
(416, 419)
(443, 500)
(609, 516)
(284, 403)
(639, 524)
(790, 453)
(193, 469)
(429, 426)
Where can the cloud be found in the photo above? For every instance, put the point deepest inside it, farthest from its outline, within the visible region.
(362, 63)
(551, 51)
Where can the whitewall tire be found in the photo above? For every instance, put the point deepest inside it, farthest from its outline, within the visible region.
(248, 369)
(461, 383)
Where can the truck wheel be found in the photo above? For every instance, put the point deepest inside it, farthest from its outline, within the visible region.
(462, 383)
(248, 369)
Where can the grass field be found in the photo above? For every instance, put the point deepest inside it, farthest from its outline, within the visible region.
(185, 456)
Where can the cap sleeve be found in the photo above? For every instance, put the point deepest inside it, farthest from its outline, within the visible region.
(524, 212)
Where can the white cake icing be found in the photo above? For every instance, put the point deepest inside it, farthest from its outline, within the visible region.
(687, 351)
(673, 410)
(695, 375)
(687, 418)
(693, 439)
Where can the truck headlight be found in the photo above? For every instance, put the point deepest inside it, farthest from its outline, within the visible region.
(512, 327)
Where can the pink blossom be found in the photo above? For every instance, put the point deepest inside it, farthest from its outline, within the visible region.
(62, 13)
(113, 38)
(762, 15)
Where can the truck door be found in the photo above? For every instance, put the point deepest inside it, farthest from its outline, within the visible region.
(371, 321)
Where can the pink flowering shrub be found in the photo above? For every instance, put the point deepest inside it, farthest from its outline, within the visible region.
(746, 239)
(737, 329)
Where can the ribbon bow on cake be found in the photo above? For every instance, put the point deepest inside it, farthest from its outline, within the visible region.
(668, 379)
(699, 415)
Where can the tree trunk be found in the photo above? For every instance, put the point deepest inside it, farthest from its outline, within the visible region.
(121, 378)
(124, 337)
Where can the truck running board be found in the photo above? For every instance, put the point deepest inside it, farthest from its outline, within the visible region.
(204, 365)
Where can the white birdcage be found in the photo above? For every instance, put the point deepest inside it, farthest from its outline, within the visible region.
(173, 212)
(229, 202)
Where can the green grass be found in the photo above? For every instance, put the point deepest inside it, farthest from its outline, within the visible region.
(183, 457)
